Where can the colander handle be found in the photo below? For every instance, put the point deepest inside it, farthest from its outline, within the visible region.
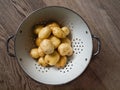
(7, 44)
(98, 45)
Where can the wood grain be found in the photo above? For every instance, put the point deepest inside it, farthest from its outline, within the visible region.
(103, 18)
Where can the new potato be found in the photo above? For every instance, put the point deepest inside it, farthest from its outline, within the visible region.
(44, 33)
(38, 41)
(62, 62)
(42, 62)
(65, 49)
(55, 41)
(34, 53)
(47, 46)
(53, 58)
(38, 29)
(52, 45)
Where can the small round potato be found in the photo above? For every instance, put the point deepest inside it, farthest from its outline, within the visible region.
(66, 40)
(55, 41)
(38, 29)
(62, 62)
(53, 58)
(53, 25)
(42, 62)
(53, 45)
(47, 46)
(58, 32)
(37, 41)
(65, 49)
(40, 51)
(34, 53)
(65, 30)
(44, 33)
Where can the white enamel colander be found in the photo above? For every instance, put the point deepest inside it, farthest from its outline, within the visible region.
(81, 38)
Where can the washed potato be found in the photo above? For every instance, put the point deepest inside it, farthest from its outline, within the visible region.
(55, 41)
(38, 29)
(53, 45)
(62, 62)
(44, 33)
(34, 53)
(53, 58)
(65, 49)
(40, 52)
(52, 25)
(47, 46)
(65, 30)
(58, 32)
(66, 40)
(38, 41)
(42, 62)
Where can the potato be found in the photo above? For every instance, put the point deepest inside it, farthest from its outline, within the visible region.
(58, 32)
(62, 62)
(37, 29)
(42, 62)
(34, 53)
(65, 30)
(55, 41)
(53, 25)
(47, 46)
(53, 45)
(66, 40)
(40, 52)
(44, 33)
(65, 49)
(53, 58)
(38, 41)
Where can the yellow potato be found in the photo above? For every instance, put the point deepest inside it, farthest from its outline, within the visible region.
(66, 40)
(58, 32)
(40, 52)
(53, 25)
(44, 33)
(55, 41)
(53, 45)
(53, 58)
(34, 53)
(62, 62)
(65, 49)
(47, 46)
(37, 29)
(38, 41)
(42, 62)
(65, 30)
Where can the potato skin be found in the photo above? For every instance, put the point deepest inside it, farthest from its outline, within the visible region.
(55, 41)
(65, 49)
(53, 58)
(38, 29)
(34, 53)
(65, 30)
(44, 33)
(58, 32)
(66, 40)
(42, 62)
(52, 25)
(62, 62)
(40, 52)
(38, 41)
(47, 46)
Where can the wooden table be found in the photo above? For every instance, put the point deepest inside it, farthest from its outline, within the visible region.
(103, 18)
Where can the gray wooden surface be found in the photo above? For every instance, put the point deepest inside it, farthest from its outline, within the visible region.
(103, 18)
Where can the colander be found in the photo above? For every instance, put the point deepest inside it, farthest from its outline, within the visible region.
(81, 38)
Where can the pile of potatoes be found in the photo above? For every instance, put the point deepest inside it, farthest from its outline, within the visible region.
(53, 45)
